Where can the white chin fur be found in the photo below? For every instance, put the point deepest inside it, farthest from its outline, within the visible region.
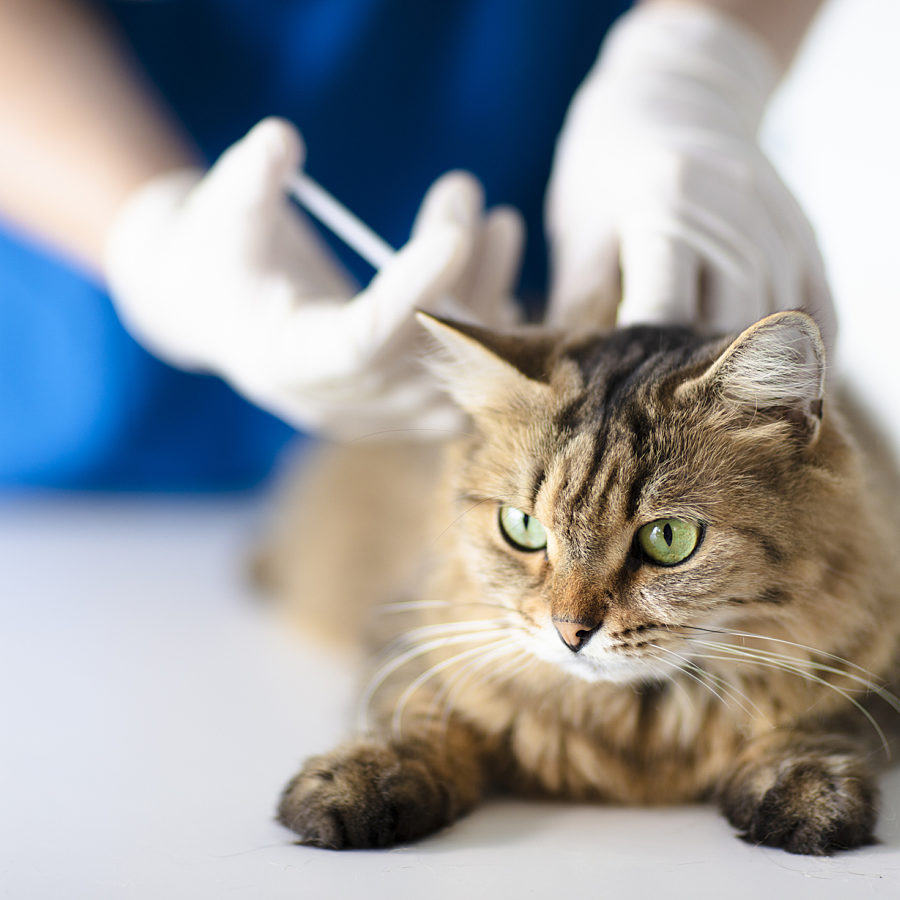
(619, 671)
(598, 664)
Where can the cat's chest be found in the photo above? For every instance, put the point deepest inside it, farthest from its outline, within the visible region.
(615, 743)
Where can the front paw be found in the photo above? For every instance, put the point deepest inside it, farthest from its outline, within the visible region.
(365, 794)
(814, 806)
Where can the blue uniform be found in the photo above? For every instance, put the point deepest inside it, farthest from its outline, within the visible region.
(388, 94)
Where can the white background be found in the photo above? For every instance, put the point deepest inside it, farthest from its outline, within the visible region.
(151, 707)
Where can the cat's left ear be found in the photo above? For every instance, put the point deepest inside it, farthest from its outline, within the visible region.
(487, 372)
(775, 366)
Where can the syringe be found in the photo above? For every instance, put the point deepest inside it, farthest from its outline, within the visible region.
(347, 226)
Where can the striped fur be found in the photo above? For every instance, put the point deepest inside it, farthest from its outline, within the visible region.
(752, 673)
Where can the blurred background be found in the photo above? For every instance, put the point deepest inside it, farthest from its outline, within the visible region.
(151, 707)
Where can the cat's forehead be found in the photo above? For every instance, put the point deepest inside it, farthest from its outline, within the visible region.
(626, 373)
(623, 434)
(641, 353)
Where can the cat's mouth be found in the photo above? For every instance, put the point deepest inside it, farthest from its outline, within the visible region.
(620, 663)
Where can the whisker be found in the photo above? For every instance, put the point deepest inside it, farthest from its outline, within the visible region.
(676, 681)
(391, 666)
(507, 672)
(465, 512)
(452, 688)
(722, 683)
(703, 682)
(412, 605)
(700, 681)
(891, 699)
(440, 628)
(427, 675)
(765, 637)
(786, 667)
(739, 696)
(735, 692)
(408, 605)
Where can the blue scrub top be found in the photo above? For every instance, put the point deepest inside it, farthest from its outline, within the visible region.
(388, 94)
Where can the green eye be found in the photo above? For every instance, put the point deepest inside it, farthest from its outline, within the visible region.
(524, 532)
(669, 541)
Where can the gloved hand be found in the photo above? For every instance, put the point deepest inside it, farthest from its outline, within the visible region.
(219, 272)
(660, 195)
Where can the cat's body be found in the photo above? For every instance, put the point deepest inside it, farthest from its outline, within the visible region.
(583, 668)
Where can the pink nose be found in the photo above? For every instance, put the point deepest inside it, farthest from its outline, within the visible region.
(575, 634)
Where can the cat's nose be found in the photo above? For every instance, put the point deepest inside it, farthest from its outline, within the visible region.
(575, 634)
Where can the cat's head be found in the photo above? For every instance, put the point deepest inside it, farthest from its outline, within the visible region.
(620, 488)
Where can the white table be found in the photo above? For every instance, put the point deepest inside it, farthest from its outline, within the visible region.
(151, 708)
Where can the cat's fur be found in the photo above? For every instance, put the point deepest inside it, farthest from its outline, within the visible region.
(731, 676)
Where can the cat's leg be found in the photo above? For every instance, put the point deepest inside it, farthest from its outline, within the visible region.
(375, 792)
(806, 793)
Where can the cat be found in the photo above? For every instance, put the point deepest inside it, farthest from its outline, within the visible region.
(660, 568)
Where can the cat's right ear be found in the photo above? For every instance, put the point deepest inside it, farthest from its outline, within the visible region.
(487, 372)
(775, 369)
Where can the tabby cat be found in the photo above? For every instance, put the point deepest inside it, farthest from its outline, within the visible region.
(661, 568)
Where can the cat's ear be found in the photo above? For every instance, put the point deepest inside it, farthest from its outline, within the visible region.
(487, 372)
(776, 366)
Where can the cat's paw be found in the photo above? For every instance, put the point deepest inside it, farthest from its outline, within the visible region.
(365, 795)
(812, 806)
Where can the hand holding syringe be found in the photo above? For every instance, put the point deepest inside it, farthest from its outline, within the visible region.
(489, 281)
(356, 234)
(502, 226)
(215, 272)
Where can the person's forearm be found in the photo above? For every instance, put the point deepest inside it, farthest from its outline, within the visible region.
(780, 23)
(79, 131)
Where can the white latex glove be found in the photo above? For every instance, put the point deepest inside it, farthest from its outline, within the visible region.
(660, 195)
(221, 272)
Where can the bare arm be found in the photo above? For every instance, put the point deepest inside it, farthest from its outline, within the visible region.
(780, 23)
(79, 130)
